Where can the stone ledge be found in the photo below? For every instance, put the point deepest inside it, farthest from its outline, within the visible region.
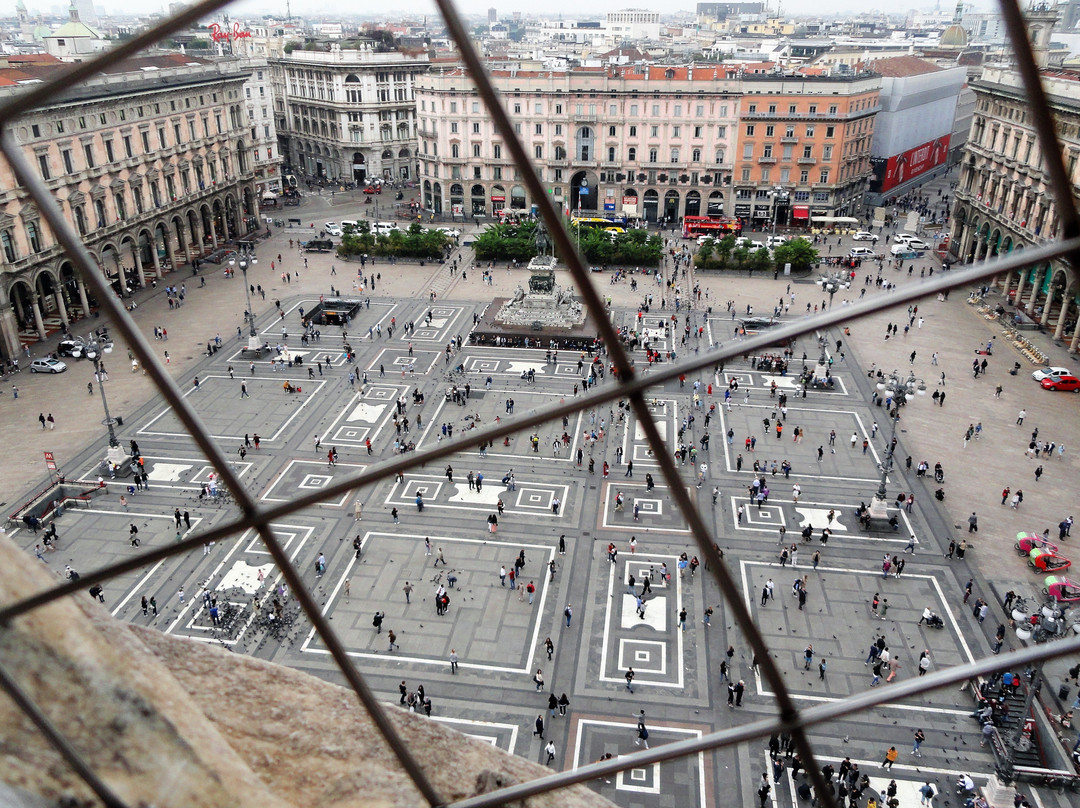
(167, 721)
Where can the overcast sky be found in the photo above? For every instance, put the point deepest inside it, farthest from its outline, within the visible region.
(567, 8)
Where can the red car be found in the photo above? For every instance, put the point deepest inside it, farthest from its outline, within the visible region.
(373, 189)
(1070, 384)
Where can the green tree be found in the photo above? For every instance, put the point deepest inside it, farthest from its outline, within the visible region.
(798, 252)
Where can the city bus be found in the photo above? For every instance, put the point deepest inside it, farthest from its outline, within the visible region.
(612, 222)
(715, 226)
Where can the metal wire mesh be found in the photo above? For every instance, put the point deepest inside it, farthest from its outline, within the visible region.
(789, 718)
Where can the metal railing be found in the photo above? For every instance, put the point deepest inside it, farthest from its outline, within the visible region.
(629, 386)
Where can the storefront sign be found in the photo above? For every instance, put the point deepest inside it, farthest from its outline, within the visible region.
(742, 210)
(498, 199)
(217, 35)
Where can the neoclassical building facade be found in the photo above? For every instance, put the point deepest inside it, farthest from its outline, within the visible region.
(347, 114)
(1004, 202)
(150, 163)
(652, 142)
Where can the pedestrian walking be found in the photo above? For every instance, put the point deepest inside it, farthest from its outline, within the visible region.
(919, 738)
(890, 758)
(630, 679)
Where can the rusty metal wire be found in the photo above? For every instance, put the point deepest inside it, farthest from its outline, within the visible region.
(789, 717)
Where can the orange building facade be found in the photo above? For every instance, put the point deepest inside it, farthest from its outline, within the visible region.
(803, 148)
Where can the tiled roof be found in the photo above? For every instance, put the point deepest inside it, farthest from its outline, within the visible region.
(897, 67)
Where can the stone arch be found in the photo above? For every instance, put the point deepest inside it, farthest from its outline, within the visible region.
(209, 234)
(671, 205)
(437, 199)
(584, 190)
(715, 204)
(24, 304)
(76, 298)
(478, 200)
(217, 220)
(650, 206)
(693, 203)
(457, 199)
(50, 299)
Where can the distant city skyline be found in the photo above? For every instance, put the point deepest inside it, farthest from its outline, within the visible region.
(565, 8)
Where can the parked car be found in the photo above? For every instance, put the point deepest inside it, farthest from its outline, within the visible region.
(903, 251)
(451, 232)
(1069, 384)
(384, 227)
(865, 235)
(70, 347)
(373, 189)
(318, 245)
(861, 252)
(47, 366)
(772, 241)
(918, 244)
(1050, 373)
(903, 238)
(332, 229)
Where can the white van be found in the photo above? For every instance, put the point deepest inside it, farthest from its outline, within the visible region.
(348, 224)
(384, 227)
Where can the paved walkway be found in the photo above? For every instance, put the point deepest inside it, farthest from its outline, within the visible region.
(497, 633)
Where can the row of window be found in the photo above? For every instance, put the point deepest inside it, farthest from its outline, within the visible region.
(665, 109)
(697, 131)
(92, 156)
(787, 151)
(764, 194)
(83, 122)
(559, 153)
(106, 213)
(789, 130)
(765, 175)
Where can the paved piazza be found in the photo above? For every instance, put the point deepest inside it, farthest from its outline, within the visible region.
(498, 634)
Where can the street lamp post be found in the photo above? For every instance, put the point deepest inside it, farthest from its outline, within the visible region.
(899, 389)
(831, 283)
(247, 255)
(115, 454)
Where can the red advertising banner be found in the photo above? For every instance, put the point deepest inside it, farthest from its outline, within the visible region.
(903, 167)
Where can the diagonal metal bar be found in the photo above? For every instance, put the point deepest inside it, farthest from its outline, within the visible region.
(807, 719)
(794, 720)
(1043, 120)
(80, 71)
(80, 256)
(731, 591)
(621, 360)
(57, 738)
(382, 471)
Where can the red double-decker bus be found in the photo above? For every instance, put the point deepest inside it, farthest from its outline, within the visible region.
(715, 226)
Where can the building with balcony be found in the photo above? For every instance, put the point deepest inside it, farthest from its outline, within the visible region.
(1003, 201)
(259, 102)
(150, 161)
(650, 142)
(347, 114)
(803, 146)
